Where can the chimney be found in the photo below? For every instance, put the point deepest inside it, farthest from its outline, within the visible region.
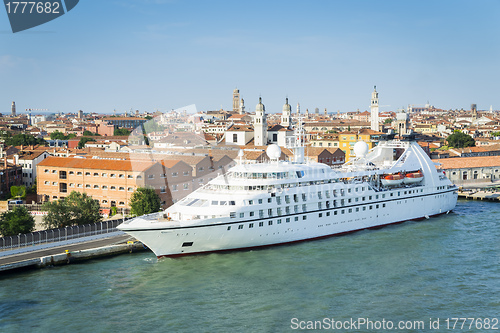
(22, 147)
(5, 162)
(16, 159)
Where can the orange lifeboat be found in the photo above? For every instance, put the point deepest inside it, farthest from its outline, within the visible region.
(413, 177)
(393, 179)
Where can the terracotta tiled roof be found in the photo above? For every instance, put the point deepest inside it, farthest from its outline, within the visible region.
(469, 162)
(101, 164)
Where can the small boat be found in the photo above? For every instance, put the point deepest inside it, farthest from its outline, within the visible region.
(392, 179)
(413, 177)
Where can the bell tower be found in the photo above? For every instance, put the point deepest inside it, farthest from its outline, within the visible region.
(374, 110)
(236, 100)
(260, 125)
(286, 115)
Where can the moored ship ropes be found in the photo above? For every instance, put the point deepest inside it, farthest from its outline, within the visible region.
(399, 178)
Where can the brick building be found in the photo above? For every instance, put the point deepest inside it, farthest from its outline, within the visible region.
(112, 182)
(10, 175)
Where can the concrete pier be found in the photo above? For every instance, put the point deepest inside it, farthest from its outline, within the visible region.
(480, 195)
(66, 254)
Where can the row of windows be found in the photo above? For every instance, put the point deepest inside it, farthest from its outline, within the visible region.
(304, 217)
(261, 224)
(103, 187)
(113, 203)
(279, 211)
(88, 173)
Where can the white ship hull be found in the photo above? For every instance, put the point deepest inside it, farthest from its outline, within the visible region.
(312, 205)
(212, 238)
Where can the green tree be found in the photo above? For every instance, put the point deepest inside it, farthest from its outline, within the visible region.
(460, 140)
(495, 133)
(83, 141)
(60, 136)
(89, 133)
(145, 201)
(22, 139)
(16, 221)
(121, 132)
(388, 121)
(152, 126)
(18, 191)
(77, 208)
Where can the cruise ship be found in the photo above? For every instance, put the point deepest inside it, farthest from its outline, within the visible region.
(280, 202)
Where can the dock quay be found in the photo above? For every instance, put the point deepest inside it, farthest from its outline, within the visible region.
(63, 253)
(480, 195)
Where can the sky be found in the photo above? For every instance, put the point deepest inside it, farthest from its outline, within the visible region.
(149, 55)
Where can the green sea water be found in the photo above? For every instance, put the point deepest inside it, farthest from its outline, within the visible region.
(443, 267)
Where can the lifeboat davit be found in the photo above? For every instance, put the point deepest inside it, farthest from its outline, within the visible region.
(393, 179)
(413, 177)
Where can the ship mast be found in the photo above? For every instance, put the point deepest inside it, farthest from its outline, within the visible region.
(295, 142)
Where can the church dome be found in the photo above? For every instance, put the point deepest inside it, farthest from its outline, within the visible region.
(287, 107)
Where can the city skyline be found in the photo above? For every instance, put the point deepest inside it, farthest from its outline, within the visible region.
(164, 55)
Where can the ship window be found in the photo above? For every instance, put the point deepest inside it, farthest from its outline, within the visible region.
(357, 209)
(319, 205)
(399, 194)
(349, 200)
(304, 207)
(343, 211)
(376, 197)
(250, 225)
(304, 217)
(335, 213)
(364, 207)
(287, 220)
(229, 228)
(252, 213)
(261, 224)
(260, 201)
(242, 215)
(350, 210)
(215, 203)
(269, 200)
(383, 205)
(383, 195)
(392, 194)
(371, 207)
(250, 202)
(356, 199)
(304, 197)
(232, 203)
(376, 206)
(349, 190)
(320, 214)
(327, 213)
(364, 198)
(296, 218)
(270, 223)
(240, 226)
(278, 221)
(223, 203)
